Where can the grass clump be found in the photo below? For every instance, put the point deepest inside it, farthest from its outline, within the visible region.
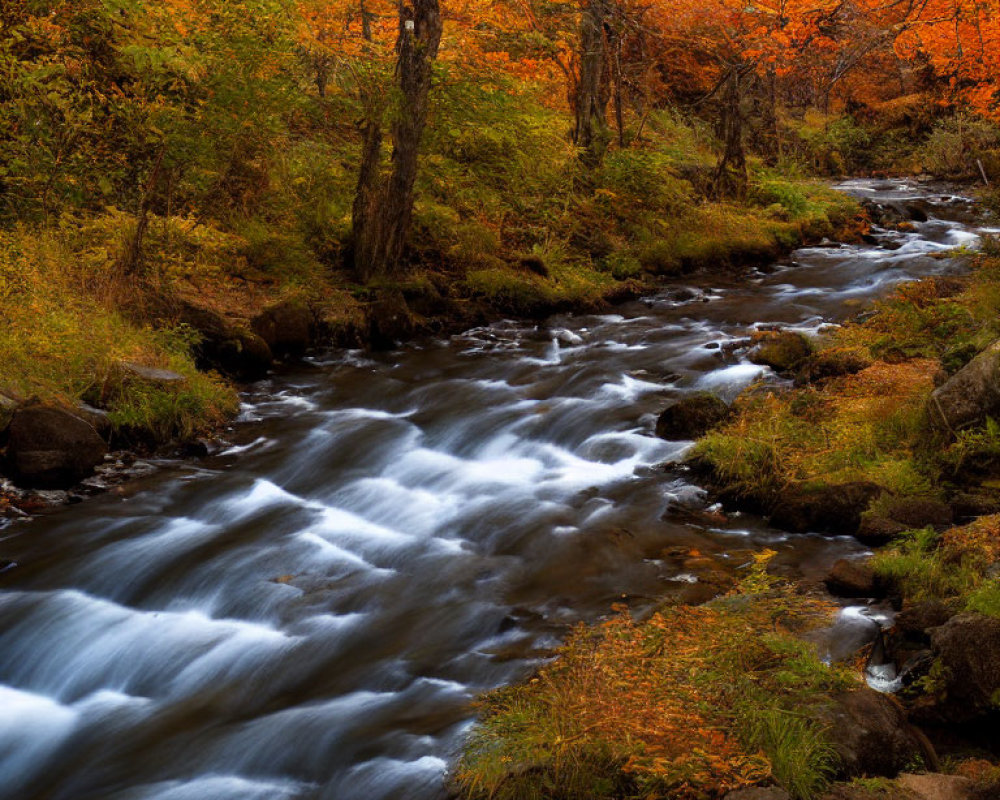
(863, 427)
(693, 703)
(958, 568)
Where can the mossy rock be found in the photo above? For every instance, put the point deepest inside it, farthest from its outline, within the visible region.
(834, 362)
(692, 417)
(782, 351)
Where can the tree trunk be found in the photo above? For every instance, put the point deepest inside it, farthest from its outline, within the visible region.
(383, 205)
(130, 260)
(731, 173)
(591, 102)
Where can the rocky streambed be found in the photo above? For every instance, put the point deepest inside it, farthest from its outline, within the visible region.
(310, 611)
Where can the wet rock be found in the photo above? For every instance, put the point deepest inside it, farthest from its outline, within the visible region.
(967, 648)
(975, 503)
(833, 363)
(916, 212)
(196, 448)
(287, 328)
(833, 509)
(97, 417)
(782, 351)
(871, 735)
(691, 417)
(915, 667)
(233, 351)
(852, 577)
(916, 620)
(389, 321)
(759, 793)
(51, 448)
(971, 395)
(876, 530)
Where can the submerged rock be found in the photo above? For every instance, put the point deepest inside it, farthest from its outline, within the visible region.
(51, 448)
(691, 417)
(971, 395)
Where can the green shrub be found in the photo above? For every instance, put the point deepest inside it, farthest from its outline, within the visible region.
(956, 143)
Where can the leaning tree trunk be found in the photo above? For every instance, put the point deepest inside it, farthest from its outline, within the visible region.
(383, 205)
(731, 173)
(591, 102)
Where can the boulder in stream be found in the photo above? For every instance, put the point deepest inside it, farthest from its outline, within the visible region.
(782, 351)
(853, 577)
(233, 351)
(967, 651)
(51, 448)
(691, 417)
(389, 321)
(879, 527)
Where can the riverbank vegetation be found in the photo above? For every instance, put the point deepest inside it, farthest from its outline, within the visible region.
(693, 702)
(405, 170)
(861, 412)
(190, 189)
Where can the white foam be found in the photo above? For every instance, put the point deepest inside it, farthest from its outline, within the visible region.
(32, 729)
(94, 644)
(216, 787)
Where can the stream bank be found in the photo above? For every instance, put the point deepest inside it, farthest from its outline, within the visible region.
(310, 612)
(222, 333)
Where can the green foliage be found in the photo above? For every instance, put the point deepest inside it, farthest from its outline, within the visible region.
(958, 567)
(788, 196)
(63, 343)
(802, 758)
(912, 565)
(956, 143)
(986, 599)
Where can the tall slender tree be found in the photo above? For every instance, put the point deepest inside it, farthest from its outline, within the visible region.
(383, 204)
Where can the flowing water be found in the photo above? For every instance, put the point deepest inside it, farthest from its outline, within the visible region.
(309, 613)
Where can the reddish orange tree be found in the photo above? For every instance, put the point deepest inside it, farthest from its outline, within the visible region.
(961, 40)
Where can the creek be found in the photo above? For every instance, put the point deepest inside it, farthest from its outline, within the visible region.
(311, 612)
